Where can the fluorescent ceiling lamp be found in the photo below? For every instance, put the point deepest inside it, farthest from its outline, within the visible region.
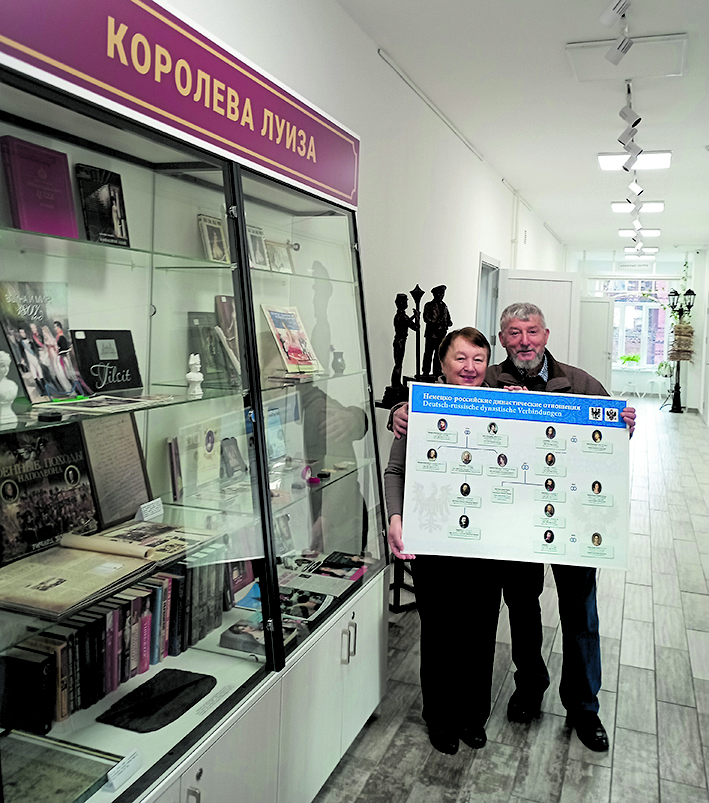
(631, 249)
(648, 160)
(639, 258)
(647, 208)
(651, 56)
(642, 233)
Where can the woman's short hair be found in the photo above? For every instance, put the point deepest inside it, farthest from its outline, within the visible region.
(469, 333)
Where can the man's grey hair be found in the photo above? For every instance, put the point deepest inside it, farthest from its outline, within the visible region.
(523, 311)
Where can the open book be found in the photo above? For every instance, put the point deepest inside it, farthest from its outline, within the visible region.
(82, 569)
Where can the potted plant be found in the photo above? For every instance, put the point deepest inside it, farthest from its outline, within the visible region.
(630, 360)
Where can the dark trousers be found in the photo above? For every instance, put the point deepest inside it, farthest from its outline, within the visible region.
(458, 601)
(522, 586)
(581, 668)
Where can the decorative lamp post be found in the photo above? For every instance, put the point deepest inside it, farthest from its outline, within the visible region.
(682, 340)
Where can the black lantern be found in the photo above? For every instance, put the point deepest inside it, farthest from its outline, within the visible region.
(681, 308)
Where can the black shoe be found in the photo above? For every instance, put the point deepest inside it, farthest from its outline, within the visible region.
(443, 741)
(589, 729)
(521, 709)
(474, 737)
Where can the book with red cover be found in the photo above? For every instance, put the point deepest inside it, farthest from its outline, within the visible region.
(39, 188)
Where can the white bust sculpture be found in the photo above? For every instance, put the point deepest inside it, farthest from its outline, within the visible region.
(194, 377)
(8, 392)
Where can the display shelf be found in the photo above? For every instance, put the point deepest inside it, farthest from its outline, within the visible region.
(278, 383)
(303, 277)
(27, 419)
(234, 675)
(20, 241)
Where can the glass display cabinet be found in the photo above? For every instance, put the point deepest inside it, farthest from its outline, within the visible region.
(255, 469)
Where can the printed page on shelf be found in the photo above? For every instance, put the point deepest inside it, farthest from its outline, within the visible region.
(331, 573)
(291, 339)
(34, 317)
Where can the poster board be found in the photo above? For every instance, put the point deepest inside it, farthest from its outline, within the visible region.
(539, 477)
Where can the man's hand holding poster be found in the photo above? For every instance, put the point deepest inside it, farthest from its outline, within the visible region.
(539, 477)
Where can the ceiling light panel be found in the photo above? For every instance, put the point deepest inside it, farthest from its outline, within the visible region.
(650, 56)
(641, 233)
(647, 160)
(647, 208)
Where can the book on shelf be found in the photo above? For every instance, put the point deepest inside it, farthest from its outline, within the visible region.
(228, 335)
(173, 455)
(102, 204)
(28, 681)
(39, 188)
(45, 490)
(258, 258)
(217, 366)
(59, 650)
(291, 339)
(34, 318)
(106, 359)
(214, 240)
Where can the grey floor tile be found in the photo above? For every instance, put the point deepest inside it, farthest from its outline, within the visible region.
(611, 582)
(700, 524)
(637, 644)
(680, 747)
(691, 578)
(696, 611)
(666, 590)
(345, 782)
(636, 705)
(635, 753)
(673, 676)
(686, 552)
(639, 546)
(670, 629)
(540, 772)
(644, 786)
(491, 776)
(610, 660)
(698, 642)
(681, 793)
(640, 518)
(422, 792)
(610, 615)
(638, 602)
(639, 571)
(585, 783)
(664, 559)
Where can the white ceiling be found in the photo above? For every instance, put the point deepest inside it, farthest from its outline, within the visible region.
(499, 71)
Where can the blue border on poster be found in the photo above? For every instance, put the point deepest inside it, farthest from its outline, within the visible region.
(552, 408)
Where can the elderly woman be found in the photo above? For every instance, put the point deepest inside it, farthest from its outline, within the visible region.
(458, 599)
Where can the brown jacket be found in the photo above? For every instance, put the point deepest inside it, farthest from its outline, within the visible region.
(562, 379)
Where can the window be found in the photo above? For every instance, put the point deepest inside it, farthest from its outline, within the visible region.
(641, 318)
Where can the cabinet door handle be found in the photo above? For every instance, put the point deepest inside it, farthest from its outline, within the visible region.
(345, 646)
(194, 795)
(352, 627)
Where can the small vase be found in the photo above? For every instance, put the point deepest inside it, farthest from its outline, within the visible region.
(338, 363)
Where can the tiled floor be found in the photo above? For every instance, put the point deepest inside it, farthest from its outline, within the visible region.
(655, 644)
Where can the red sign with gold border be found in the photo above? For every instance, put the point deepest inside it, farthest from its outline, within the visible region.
(147, 60)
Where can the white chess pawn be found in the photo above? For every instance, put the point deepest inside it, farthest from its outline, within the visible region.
(194, 377)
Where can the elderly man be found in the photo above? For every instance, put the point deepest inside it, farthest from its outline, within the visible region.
(531, 366)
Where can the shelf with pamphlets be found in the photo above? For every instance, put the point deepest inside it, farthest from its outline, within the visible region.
(170, 532)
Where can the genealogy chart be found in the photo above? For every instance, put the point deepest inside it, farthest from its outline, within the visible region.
(540, 477)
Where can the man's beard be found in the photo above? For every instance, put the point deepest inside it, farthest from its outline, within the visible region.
(527, 366)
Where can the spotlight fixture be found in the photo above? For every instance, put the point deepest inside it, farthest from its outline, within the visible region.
(633, 148)
(627, 135)
(637, 225)
(614, 12)
(631, 117)
(647, 160)
(629, 164)
(635, 187)
(619, 49)
(647, 207)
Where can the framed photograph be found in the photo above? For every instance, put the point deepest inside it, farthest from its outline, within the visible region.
(279, 257)
(216, 247)
(257, 248)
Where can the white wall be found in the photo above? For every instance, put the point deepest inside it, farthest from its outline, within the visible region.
(428, 205)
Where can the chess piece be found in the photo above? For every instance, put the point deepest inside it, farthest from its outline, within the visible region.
(194, 377)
